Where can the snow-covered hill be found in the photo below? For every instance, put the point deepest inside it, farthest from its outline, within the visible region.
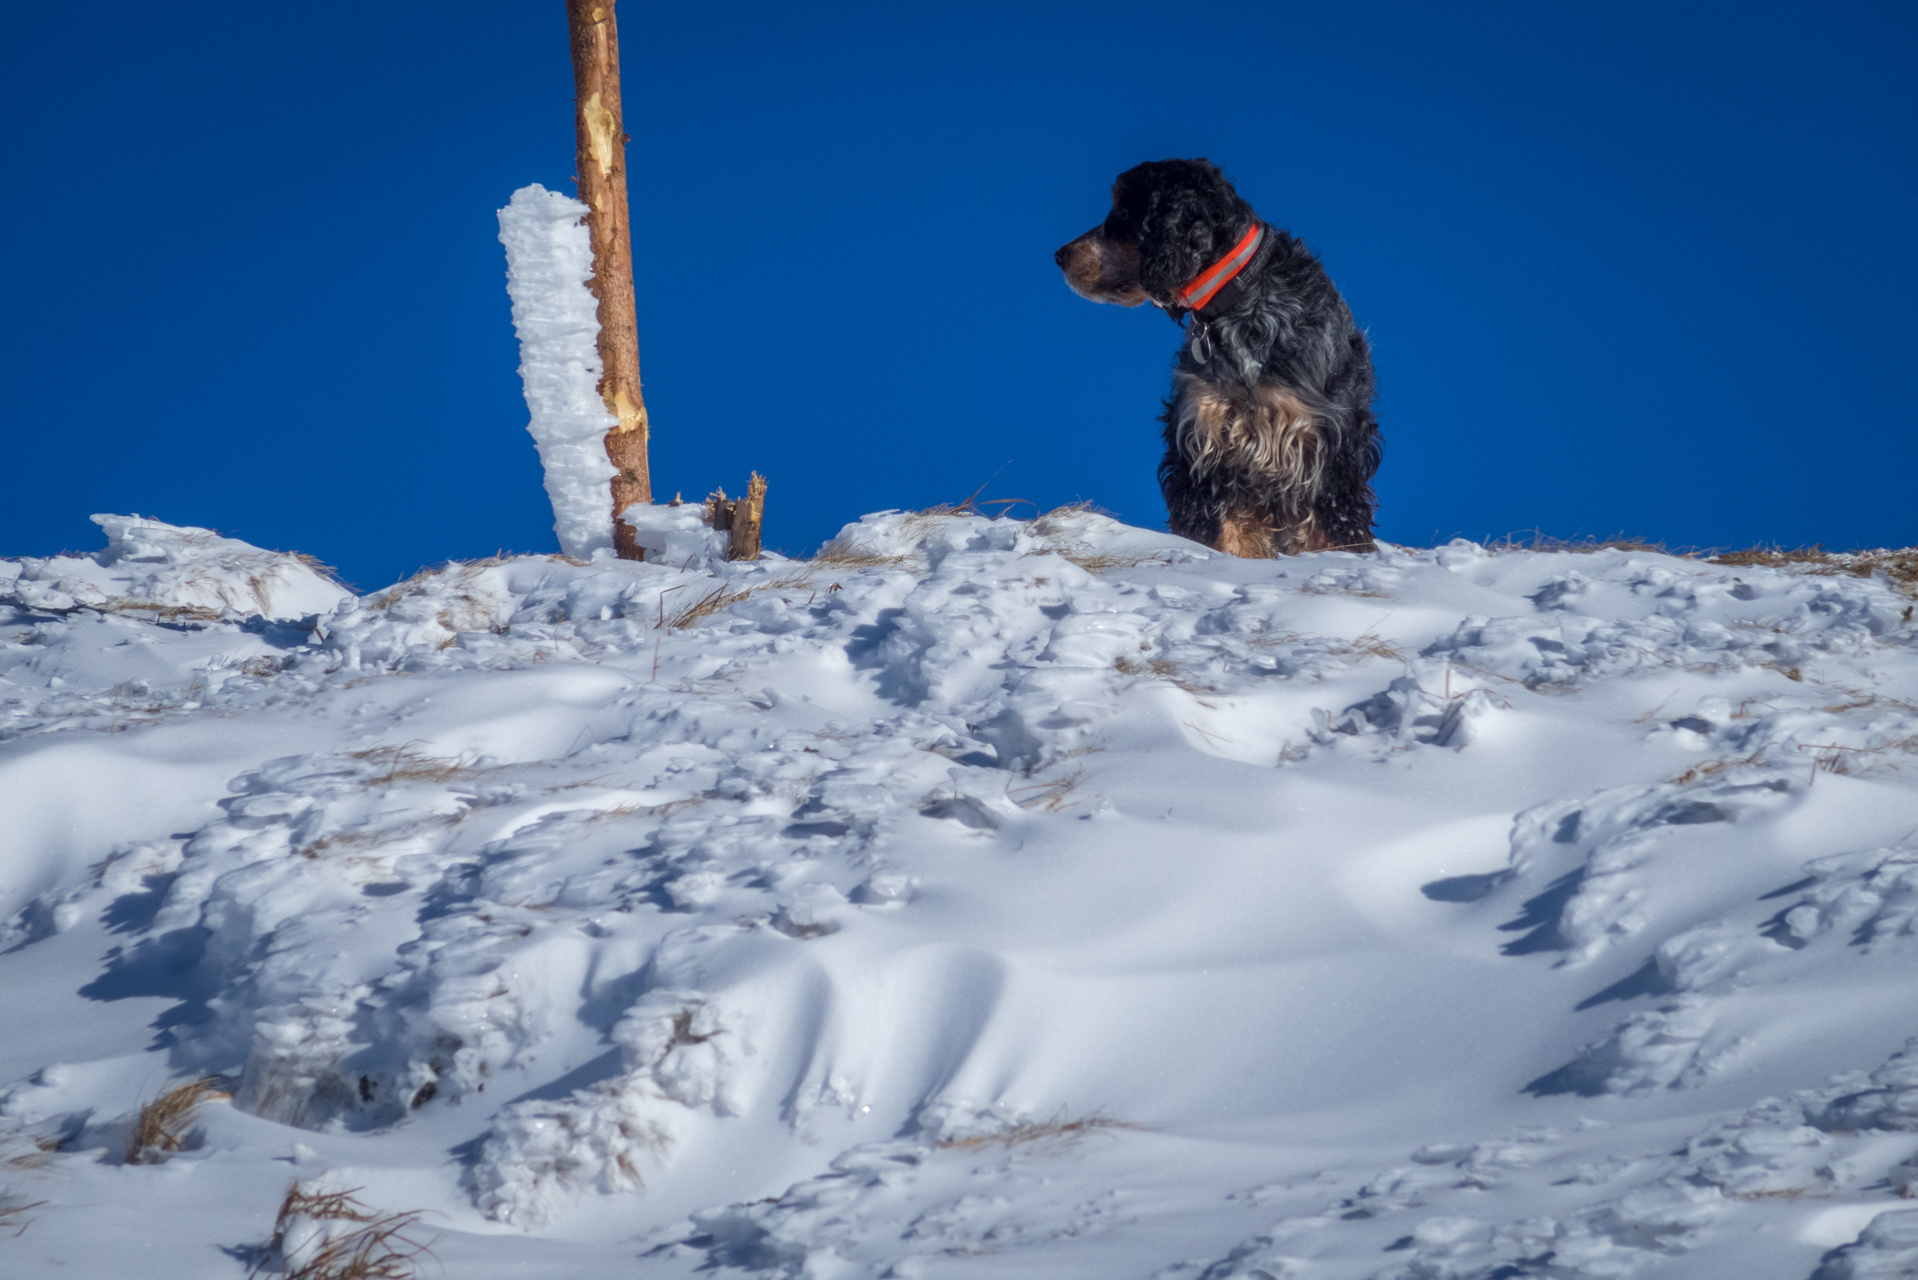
(983, 898)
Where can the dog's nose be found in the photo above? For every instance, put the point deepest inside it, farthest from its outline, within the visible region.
(1063, 256)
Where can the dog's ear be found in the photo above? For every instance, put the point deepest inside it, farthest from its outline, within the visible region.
(1185, 216)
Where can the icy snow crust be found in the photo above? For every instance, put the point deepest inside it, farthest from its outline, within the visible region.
(549, 258)
(1446, 914)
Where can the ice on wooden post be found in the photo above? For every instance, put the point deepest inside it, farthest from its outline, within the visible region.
(549, 258)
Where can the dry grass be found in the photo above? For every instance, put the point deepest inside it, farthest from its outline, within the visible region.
(466, 609)
(1268, 639)
(1336, 589)
(473, 614)
(628, 809)
(1538, 541)
(1056, 1129)
(385, 838)
(161, 1127)
(1051, 797)
(37, 1154)
(1899, 565)
(1369, 645)
(1832, 757)
(1784, 1193)
(1162, 669)
(405, 763)
(1167, 672)
(1105, 561)
(1050, 525)
(390, 596)
(151, 612)
(341, 840)
(842, 554)
(1857, 699)
(918, 522)
(705, 607)
(722, 596)
(13, 1212)
(1781, 558)
(1655, 713)
(320, 567)
(915, 523)
(380, 1248)
(1712, 768)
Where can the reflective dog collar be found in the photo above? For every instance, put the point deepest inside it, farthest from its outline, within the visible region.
(1215, 277)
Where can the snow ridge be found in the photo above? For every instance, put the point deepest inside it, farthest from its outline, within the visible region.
(167, 572)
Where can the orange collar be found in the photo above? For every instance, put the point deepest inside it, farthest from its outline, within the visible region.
(1215, 277)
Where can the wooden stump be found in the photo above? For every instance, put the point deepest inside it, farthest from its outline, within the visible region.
(741, 517)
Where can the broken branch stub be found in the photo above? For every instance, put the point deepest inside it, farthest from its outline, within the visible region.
(741, 517)
(602, 187)
(749, 513)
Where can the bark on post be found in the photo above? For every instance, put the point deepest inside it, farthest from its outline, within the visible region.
(602, 187)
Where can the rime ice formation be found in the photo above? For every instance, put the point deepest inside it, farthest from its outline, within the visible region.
(549, 258)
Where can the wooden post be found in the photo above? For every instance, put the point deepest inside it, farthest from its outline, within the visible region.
(602, 187)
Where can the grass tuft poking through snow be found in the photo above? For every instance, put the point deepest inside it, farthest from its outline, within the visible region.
(1058, 1128)
(162, 1126)
(1547, 544)
(839, 554)
(405, 762)
(14, 1209)
(1900, 566)
(720, 598)
(324, 1233)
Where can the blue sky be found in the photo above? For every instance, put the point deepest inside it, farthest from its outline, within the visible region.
(1627, 268)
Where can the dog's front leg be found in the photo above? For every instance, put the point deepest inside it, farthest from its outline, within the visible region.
(1247, 534)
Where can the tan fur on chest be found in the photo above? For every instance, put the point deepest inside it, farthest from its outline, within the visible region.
(1267, 431)
(1264, 429)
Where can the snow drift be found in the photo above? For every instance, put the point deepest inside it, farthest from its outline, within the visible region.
(165, 572)
(981, 896)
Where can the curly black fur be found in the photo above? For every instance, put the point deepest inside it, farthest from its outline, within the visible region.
(1275, 351)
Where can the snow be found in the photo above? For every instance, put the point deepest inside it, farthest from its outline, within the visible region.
(166, 572)
(549, 258)
(980, 897)
(677, 533)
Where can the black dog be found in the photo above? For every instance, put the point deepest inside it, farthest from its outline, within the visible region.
(1271, 444)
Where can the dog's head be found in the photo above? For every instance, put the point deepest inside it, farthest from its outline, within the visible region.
(1170, 220)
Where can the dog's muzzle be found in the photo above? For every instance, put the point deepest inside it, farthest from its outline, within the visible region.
(1100, 270)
